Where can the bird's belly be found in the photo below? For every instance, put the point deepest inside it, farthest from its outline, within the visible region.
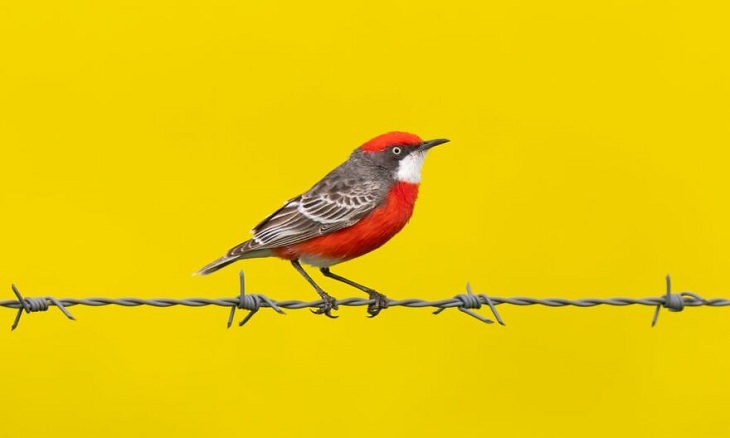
(368, 234)
(319, 261)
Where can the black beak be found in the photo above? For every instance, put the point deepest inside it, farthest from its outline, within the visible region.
(428, 144)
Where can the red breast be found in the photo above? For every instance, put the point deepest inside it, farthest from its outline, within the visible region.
(368, 234)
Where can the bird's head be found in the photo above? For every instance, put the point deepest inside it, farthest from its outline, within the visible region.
(401, 152)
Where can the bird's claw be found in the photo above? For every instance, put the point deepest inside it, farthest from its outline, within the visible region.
(380, 303)
(328, 305)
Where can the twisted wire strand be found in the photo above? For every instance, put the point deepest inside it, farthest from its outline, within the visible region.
(355, 302)
(464, 302)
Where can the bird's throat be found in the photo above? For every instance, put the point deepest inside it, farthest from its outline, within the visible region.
(409, 168)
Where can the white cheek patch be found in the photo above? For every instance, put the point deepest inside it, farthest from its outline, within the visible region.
(409, 168)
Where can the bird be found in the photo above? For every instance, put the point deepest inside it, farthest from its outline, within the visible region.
(356, 208)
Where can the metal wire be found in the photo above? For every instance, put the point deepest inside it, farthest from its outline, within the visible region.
(466, 303)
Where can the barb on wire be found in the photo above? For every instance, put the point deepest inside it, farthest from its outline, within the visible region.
(35, 305)
(466, 303)
(251, 302)
(674, 302)
(471, 301)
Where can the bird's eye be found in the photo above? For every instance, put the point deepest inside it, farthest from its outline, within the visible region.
(396, 150)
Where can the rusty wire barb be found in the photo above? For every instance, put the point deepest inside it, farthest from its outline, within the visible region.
(466, 303)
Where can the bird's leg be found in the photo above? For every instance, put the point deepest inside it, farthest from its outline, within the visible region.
(380, 300)
(329, 304)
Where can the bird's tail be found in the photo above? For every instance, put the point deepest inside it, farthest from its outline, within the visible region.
(216, 265)
(239, 252)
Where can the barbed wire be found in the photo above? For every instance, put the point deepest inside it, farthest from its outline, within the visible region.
(467, 303)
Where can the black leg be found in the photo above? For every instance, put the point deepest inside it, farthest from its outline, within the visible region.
(380, 300)
(329, 302)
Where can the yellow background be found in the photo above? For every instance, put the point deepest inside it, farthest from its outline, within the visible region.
(589, 157)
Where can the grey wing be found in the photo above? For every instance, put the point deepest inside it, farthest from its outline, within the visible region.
(327, 207)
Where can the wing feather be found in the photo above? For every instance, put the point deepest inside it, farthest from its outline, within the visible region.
(340, 200)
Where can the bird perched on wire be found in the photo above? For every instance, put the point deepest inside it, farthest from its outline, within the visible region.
(354, 209)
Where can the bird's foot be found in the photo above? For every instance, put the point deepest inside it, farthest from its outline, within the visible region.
(380, 303)
(328, 305)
